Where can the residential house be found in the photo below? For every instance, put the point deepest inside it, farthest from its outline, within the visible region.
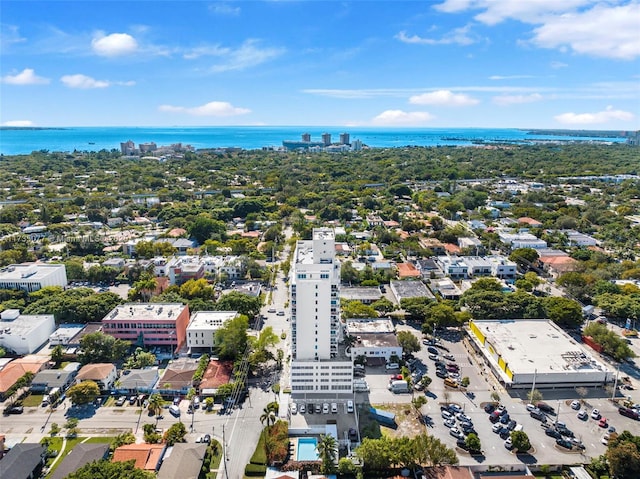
(17, 368)
(183, 460)
(427, 268)
(137, 380)
(103, 374)
(81, 455)
(146, 456)
(52, 378)
(24, 461)
(409, 289)
(446, 288)
(217, 373)
(178, 377)
(407, 271)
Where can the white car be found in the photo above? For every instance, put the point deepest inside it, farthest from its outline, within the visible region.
(349, 406)
(392, 366)
(294, 408)
(575, 404)
(449, 356)
(325, 408)
(531, 407)
(302, 408)
(334, 408)
(595, 414)
(582, 415)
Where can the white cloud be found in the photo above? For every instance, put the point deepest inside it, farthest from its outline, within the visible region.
(18, 123)
(609, 32)
(213, 108)
(592, 118)
(114, 45)
(25, 77)
(399, 117)
(558, 65)
(443, 97)
(9, 34)
(516, 99)
(509, 77)
(249, 54)
(221, 8)
(459, 36)
(83, 82)
(607, 29)
(207, 50)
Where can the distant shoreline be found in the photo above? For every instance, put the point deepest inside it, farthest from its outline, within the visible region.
(33, 128)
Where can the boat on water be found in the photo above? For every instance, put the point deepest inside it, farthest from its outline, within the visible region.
(92, 142)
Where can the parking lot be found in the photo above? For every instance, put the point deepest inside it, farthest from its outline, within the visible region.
(472, 401)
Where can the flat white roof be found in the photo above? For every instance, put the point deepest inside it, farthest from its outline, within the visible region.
(31, 272)
(210, 319)
(146, 312)
(24, 325)
(358, 326)
(530, 345)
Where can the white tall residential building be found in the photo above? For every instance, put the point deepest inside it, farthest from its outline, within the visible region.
(318, 366)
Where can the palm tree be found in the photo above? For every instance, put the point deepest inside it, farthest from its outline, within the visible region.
(155, 403)
(328, 452)
(268, 416)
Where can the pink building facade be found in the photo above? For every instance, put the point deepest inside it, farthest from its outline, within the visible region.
(149, 324)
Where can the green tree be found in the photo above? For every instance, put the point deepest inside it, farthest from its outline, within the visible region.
(356, 309)
(101, 348)
(57, 353)
(105, 469)
(150, 434)
(268, 416)
(520, 441)
(624, 460)
(140, 359)
(524, 257)
(563, 311)
(328, 452)
(155, 403)
(83, 393)
(122, 440)
(472, 441)
(242, 303)
(408, 342)
(176, 433)
(231, 339)
(534, 396)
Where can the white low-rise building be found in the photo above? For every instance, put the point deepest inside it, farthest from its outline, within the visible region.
(33, 276)
(24, 334)
(202, 328)
(526, 352)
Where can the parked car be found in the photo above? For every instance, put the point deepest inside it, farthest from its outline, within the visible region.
(449, 356)
(325, 408)
(582, 414)
(449, 422)
(595, 414)
(553, 433)
(489, 408)
(121, 400)
(14, 410)
(294, 408)
(496, 428)
(442, 374)
(318, 408)
(457, 433)
(302, 408)
(334, 408)
(508, 443)
(504, 419)
(349, 406)
(392, 366)
(207, 439)
(455, 408)
(539, 415)
(546, 408)
(446, 414)
(625, 411)
(575, 404)
(564, 443)
(603, 422)
(433, 350)
(531, 407)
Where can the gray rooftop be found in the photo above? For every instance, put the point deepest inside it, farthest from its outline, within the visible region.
(80, 455)
(183, 460)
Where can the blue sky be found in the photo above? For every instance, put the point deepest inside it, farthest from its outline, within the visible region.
(442, 63)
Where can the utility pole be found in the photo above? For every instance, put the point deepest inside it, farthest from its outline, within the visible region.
(224, 450)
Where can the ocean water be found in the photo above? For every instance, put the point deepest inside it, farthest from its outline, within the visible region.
(24, 141)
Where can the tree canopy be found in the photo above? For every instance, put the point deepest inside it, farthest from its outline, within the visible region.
(105, 469)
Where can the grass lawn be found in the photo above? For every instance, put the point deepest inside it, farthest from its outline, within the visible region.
(32, 400)
(56, 443)
(100, 439)
(215, 463)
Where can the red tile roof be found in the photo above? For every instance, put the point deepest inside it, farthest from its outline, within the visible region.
(147, 456)
(217, 374)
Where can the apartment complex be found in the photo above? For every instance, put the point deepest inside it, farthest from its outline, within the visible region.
(202, 329)
(319, 365)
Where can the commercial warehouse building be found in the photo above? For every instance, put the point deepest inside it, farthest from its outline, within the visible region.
(526, 352)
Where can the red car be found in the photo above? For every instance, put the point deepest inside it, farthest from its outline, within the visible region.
(396, 377)
(603, 422)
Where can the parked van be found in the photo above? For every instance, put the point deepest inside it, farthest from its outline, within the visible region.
(175, 410)
(398, 387)
(450, 383)
(392, 366)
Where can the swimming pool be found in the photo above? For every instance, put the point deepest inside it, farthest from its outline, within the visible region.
(307, 449)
